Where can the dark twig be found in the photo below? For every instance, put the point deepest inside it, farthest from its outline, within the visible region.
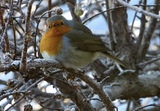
(4, 36)
(142, 65)
(135, 15)
(1, 19)
(37, 6)
(15, 42)
(49, 7)
(38, 21)
(20, 25)
(44, 9)
(11, 93)
(94, 16)
(128, 105)
(15, 103)
(140, 108)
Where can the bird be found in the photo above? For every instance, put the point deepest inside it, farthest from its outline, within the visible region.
(72, 44)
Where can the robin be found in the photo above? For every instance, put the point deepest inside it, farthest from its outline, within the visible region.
(72, 44)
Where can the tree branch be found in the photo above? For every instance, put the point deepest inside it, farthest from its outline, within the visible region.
(26, 37)
(75, 96)
(138, 9)
(127, 87)
(39, 63)
(148, 34)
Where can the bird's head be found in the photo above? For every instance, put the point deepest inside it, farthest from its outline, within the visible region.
(57, 26)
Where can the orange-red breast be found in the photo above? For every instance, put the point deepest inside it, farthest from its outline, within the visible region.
(72, 44)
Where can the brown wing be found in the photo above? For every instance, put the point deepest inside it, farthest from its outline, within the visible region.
(91, 43)
(86, 41)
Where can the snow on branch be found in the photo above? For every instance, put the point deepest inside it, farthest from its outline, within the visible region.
(125, 86)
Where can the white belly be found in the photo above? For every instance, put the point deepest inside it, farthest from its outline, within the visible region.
(47, 56)
(71, 57)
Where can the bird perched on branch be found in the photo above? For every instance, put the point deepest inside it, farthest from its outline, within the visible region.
(72, 44)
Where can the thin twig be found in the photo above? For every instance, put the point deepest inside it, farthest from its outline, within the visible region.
(142, 65)
(138, 9)
(95, 16)
(135, 15)
(1, 19)
(49, 7)
(15, 103)
(138, 109)
(142, 29)
(11, 93)
(110, 26)
(15, 42)
(26, 90)
(4, 36)
(20, 25)
(35, 43)
(128, 105)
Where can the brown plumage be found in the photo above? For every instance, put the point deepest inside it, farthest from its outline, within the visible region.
(72, 44)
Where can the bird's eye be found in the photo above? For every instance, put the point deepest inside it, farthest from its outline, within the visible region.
(62, 23)
(54, 24)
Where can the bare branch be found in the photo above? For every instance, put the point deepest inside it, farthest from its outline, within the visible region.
(75, 95)
(142, 29)
(148, 34)
(112, 43)
(138, 9)
(119, 88)
(44, 63)
(26, 38)
(127, 86)
(138, 109)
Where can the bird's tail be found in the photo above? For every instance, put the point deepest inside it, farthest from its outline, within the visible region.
(117, 60)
